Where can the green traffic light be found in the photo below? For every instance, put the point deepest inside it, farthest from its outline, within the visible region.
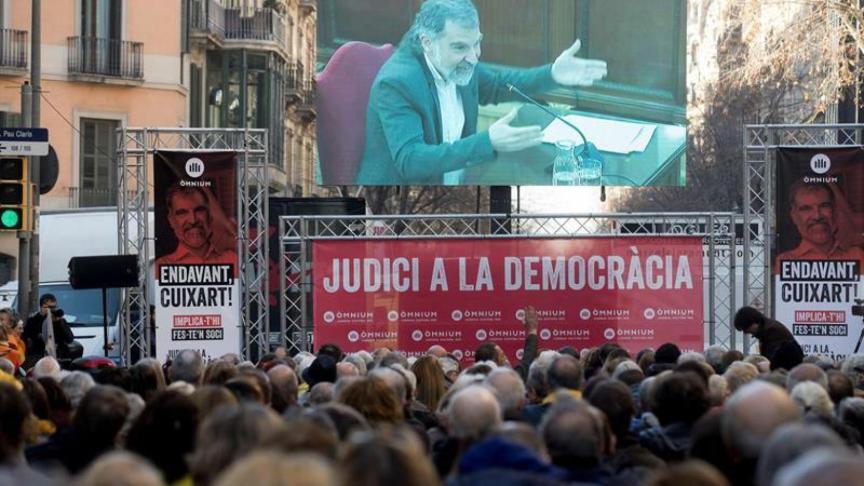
(10, 219)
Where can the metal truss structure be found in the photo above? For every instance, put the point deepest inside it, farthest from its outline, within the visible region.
(134, 149)
(297, 233)
(760, 157)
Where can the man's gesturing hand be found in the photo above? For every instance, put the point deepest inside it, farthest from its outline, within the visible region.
(512, 139)
(570, 70)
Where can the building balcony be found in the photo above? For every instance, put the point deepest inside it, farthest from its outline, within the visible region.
(13, 51)
(100, 59)
(294, 82)
(306, 108)
(247, 27)
(207, 17)
(256, 25)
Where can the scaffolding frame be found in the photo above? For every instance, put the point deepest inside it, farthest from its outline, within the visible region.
(135, 147)
(760, 160)
(297, 233)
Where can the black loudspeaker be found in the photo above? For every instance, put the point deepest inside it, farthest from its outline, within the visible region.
(103, 272)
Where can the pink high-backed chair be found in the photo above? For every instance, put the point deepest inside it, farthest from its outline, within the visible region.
(343, 95)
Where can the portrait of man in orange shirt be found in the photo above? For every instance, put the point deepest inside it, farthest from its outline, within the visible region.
(813, 210)
(191, 219)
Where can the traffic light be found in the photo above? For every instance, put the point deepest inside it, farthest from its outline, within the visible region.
(14, 182)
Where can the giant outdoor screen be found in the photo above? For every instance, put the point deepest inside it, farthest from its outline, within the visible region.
(414, 92)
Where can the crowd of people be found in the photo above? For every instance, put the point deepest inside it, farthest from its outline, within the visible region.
(592, 416)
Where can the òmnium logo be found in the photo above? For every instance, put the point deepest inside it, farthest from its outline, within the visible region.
(609, 314)
(671, 313)
(353, 336)
(820, 163)
(329, 316)
(457, 353)
(520, 314)
(519, 354)
(609, 333)
(577, 334)
(585, 314)
(194, 167)
(649, 313)
(480, 334)
(417, 335)
(545, 334)
(456, 315)
(440, 335)
(412, 316)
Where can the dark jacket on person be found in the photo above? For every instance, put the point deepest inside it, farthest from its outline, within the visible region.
(36, 341)
(669, 443)
(779, 345)
(529, 352)
(631, 462)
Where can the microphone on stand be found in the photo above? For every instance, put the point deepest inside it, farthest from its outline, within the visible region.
(590, 148)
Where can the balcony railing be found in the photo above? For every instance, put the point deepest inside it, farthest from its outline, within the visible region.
(13, 49)
(294, 80)
(105, 57)
(263, 25)
(308, 100)
(207, 16)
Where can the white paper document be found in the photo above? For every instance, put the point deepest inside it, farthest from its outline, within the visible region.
(614, 136)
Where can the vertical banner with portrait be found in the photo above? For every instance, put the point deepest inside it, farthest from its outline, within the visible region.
(818, 258)
(196, 269)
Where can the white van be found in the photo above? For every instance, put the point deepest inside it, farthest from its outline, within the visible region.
(67, 233)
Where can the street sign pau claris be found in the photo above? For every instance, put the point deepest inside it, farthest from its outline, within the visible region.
(24, 141)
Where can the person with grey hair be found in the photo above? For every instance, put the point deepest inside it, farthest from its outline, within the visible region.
(564, 374)
(714, 357)
(395, 380)
(691, 356)
(853, 367)
(319, 394)
(790, 442)
(822, 467)
(357, 361)
(509, 390)
(473, 413)
(850, 412)
(538, 387)
(806, 372)
(344, 368)
(47, 366)
(739, 374)
(750, 416)
(411, 139)
(812, 398)
(187, 366)
(76, 384)
(450, 367)
(625, 366)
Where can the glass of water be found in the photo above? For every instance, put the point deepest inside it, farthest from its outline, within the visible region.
(591, 171)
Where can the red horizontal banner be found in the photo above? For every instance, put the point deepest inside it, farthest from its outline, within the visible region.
(410, 294)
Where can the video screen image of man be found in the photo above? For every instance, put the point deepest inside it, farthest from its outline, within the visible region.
(422, 118)
(813, 209)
